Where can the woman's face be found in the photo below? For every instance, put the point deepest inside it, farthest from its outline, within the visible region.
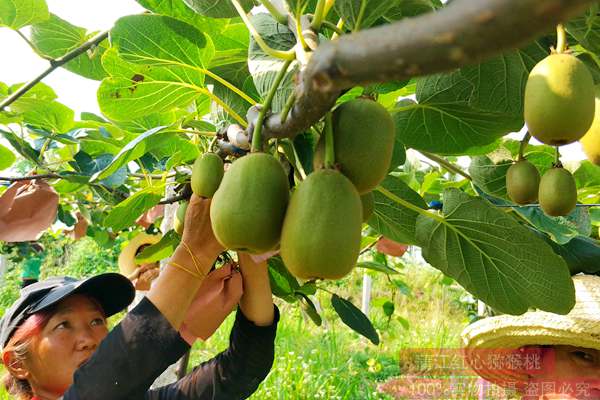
(565, 365)
(67, 341)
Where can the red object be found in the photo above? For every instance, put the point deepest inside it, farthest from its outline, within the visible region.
(150, 216)
(391, 248)
(27, 209)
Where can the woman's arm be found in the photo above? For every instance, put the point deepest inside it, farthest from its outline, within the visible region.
(175, 288)
(257, 301)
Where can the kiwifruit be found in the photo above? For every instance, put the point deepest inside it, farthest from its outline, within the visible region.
(522, 182)
(558, 192)
(207, 174)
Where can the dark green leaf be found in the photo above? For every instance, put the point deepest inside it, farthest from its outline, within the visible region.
(127, 212)
(218, 8)
(360, 14)
(391, 219)
(161, 250)
(375, 266)
(132, 150)
(308, 307)
(580, 253)
(586, 29)
(494, 257)
(354, 318)
(21, 146)
(388, 308)
(404, 288)
(282, 282)
(490, 177)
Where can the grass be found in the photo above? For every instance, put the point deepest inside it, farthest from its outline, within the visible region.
(332, 361)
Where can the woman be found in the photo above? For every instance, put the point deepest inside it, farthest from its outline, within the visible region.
(541, 355)
(56, 344)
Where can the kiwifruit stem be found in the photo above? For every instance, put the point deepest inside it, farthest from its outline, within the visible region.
(284, 55)
(282, 19)
(319, 16)
(524, 144)
(561, 39)
(257, 136)
(329, 144)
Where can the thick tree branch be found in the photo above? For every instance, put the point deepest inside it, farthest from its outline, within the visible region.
(463, 33)
(54, 64)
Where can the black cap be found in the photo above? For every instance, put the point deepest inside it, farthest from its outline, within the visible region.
(113, 291)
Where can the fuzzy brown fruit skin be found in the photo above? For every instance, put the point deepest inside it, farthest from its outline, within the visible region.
(591, 141)
(178, 221)
(523, 182)
(559, 100)
(207, 174)
(322, 229)
(363, 135)
(248, 209)
(368, 205)
(558, 192)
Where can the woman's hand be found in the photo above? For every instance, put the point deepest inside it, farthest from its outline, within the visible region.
(197, 231)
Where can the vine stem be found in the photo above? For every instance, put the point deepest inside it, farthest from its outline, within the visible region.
(361, 15)
(447, 165)
(409, 205)
(257, 136)
(319, 15)
(54, 64)
(282, 19)
(329, 144)
(523, 145)
(328, 6)
(29, 178)
(288, 106)
(284, 55)
(561, 39)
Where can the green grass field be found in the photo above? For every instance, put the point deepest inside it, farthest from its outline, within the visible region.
(333, 362)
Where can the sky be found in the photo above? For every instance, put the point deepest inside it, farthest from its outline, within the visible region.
(79, 93)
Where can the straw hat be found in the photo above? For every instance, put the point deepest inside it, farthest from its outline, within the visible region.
(581, 327)
(127, 264)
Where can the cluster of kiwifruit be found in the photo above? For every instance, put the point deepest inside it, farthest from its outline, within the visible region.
(318, 227)
(561, 107)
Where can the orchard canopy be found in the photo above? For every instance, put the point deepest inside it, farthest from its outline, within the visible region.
(232, 77)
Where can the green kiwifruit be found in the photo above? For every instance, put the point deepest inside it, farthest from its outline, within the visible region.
(247, 210)
(522, 182)
(559, 100)
(591, 141)
(179, 220)
(322, 229)
(558, 192)
(368, 205)
(207, 174)
(363, 136)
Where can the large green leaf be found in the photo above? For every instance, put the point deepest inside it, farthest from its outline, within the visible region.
(265, 68)
(354, 318)
(586, 29)
(218, 8)
(490, 176)
(581, 253)
(391, 219)
(131, 151)
(178, 9)
(157, 64)
(55, 37)
(360, 14)
(447, 128)
(494, 257)
(127, 212)
(7, 157)
(411, 8)
(19, 13)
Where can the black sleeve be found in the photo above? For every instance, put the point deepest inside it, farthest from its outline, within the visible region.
(130, 358)
(233, 374)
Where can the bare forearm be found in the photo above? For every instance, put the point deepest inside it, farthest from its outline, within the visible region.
(257, 301)
(174, 289)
